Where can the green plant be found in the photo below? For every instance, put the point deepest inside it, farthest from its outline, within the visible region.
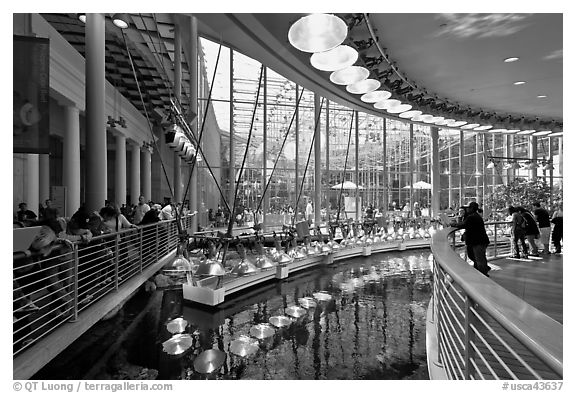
(522, 192)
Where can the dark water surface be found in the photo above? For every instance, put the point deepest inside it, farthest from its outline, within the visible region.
(373, 328)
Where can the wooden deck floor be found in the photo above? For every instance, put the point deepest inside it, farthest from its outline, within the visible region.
(538, 281)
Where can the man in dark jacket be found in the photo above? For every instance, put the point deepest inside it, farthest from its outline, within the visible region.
(543, 218)
(475, 237)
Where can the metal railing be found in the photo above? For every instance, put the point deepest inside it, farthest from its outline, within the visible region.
(50, 291)
(482, 330)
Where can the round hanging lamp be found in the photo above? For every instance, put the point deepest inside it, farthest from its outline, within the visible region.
(427, 118)
(526, 132)
(399, 108)
(364, 86)
(386, 104)
(317, 33)
(483, 128)
(457, 123)
(510, 131)
(443, 122)
(470, 126)
(349, 75)
(121, 20)
(410, 114)
(375, 96)
(334, 59)
(542, 133)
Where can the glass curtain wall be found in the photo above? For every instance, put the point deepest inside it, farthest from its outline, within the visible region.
(268, 144)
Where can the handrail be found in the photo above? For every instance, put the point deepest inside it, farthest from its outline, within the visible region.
(542, 335)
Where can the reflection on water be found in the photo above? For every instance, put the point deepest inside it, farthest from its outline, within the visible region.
(371, 327)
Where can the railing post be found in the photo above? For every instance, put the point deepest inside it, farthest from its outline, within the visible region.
(157, 241)
(75, 282)
(116, 259)
(436, 300)
(141, 250)
(467, 337)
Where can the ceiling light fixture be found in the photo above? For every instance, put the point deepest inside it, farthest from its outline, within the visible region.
(511, 59)
(459, 123)
(526, 132)
(349, 75)
(364, 86)
(410, 114)
(121, 20)
(470, 126)
(399, 108)
(386, 104)
(518, 83)
(334, 59)
(542, 96)
(375, 96)
(542, 133)
(559, 133)
(82, 17)
(317, 33)
(427, 118)
(496, 130)
(444, 122)
(510, 131)
(483, 128)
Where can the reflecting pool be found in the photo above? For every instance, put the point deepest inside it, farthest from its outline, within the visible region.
(368, 324)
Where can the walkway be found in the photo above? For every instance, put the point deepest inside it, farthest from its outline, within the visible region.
(538, 281)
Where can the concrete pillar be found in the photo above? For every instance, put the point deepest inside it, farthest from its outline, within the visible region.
(317, 161)
(135, 176)
(32, 175)
(435, 175)
(44, 191)
(146, 172)
(71, 158)
(96, 181)
(120, 169)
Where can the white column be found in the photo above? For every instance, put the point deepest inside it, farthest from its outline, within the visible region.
(32, 174)
(135, 176)
(71, 158)
(385, 183)
(560, 157)
(44, 191)
(146, 173)
(96, 164)
(120, 169)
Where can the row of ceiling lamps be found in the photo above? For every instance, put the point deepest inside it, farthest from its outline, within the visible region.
(323, 35)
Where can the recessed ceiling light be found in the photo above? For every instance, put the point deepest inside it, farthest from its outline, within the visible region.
(511, 59)
(519, 83)
(542, 96)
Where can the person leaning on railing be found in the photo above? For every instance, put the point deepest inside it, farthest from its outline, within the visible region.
(475, 237)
